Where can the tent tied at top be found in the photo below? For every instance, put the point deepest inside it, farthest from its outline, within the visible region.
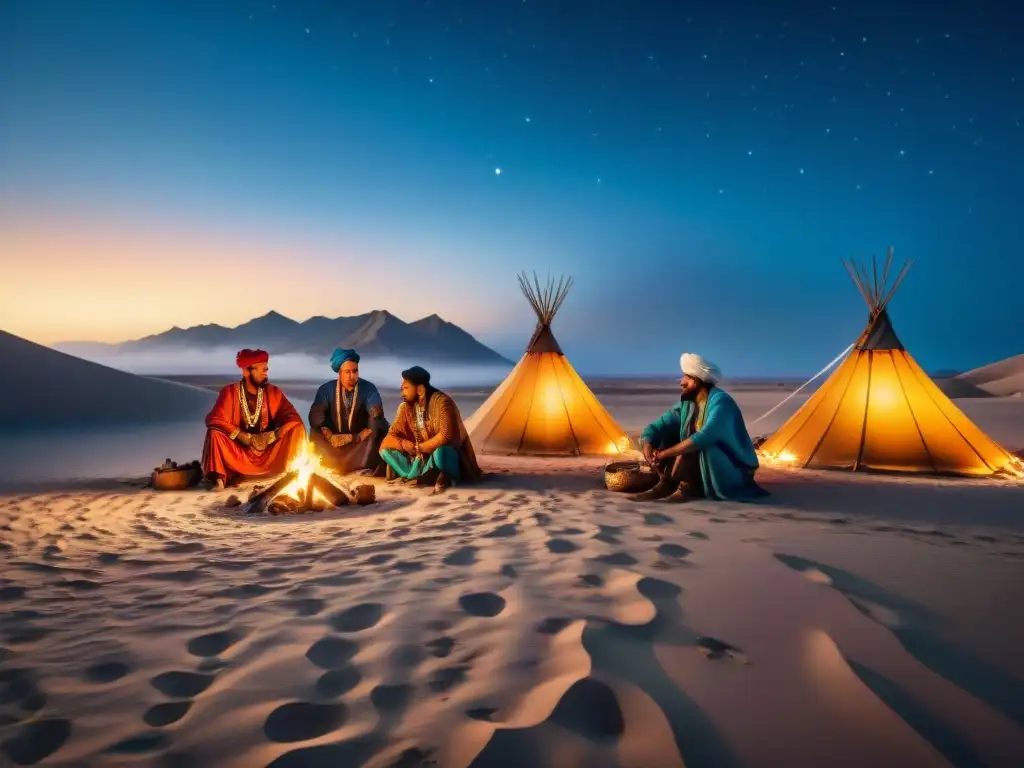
(880, 411)
(543, 407)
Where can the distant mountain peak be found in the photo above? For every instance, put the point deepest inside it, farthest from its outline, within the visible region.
(377, 332)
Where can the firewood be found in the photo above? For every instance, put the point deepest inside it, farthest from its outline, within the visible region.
(334, 495)
(365, 494)
(259, 502)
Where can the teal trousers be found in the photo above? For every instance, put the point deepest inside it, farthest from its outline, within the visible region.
(444, 459)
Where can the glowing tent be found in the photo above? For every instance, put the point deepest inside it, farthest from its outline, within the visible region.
(880, 411)
(543, 407)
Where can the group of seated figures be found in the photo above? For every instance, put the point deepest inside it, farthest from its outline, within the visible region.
(254, 431)
(700, 447)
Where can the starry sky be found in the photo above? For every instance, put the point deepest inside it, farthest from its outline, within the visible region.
(699, 168)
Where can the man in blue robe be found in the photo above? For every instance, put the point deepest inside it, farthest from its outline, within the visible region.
(346, 420)
(700, 446)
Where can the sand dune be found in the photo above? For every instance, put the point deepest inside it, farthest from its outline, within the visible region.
(534, 620)
(43, 388)
(1002, 378)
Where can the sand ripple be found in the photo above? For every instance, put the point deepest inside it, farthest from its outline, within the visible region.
(531, 621)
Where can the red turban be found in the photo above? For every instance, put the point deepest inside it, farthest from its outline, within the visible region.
(248, 357)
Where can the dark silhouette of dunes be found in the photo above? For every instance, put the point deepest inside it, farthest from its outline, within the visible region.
(45, 388)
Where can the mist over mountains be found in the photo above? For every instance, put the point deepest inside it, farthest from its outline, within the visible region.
(375, 334)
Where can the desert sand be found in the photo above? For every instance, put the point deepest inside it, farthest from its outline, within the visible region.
(532, 619)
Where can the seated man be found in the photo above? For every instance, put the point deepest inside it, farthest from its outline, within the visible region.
(700, 446)
(346, 420)
(428, 436)
(252, 430)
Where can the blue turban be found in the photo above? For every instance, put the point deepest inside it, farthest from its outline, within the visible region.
(340, 356)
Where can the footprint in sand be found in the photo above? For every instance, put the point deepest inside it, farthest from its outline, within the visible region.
(332, 652)
(338, 682)
(441, 647)
(483, 604)
(482, 713)
(560, 546)
(509, 571)
(461, 556)
(181, 685)
(591, 580)
(673, 550)
(391, 699)
(304, 606)
(445, 679)
(106, 672)
(8, 594)
(213, 644)
(303, 720)
(609, 534)
(698, 535)
(713, 648)
(656, 518)
(18, 686)
(136, 745)
(506, 531)
(618, 558)
(357, 618)
(167, 713)
(36, 741)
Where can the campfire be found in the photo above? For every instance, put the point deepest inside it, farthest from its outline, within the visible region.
(305, 488)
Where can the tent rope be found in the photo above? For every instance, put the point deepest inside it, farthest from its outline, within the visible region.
(796, 391)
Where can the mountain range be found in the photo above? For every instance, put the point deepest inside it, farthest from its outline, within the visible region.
(377, 333)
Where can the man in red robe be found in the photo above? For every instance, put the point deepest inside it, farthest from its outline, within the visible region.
(253, 430)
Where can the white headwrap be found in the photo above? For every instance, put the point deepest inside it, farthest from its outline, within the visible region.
(699, 368)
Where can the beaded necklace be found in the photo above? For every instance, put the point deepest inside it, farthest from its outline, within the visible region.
(250, 419)
(337, 404)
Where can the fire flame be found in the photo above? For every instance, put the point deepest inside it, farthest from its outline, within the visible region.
(306, 462)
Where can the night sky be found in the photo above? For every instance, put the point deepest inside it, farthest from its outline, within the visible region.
(699, 168)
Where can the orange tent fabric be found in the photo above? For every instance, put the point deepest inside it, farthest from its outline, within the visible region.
(543, 407)
(879, 410)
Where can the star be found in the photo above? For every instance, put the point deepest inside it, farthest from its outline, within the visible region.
(801, 171)
(307, 30)
(497, 171)
(527, 119)
(903, 152)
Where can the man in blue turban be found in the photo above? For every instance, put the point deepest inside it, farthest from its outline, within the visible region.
(346, 420)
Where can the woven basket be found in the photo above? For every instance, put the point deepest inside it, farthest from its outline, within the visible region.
(629, 477)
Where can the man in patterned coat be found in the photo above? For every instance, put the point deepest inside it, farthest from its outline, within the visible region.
(427, 438)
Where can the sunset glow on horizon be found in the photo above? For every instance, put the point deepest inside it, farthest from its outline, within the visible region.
(699, 173)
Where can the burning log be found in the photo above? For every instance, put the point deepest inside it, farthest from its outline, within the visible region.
(258, 504)
(334, 495)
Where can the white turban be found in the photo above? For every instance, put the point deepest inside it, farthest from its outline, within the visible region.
(699, 368)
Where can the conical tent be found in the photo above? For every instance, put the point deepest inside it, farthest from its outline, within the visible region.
(543, 407)
(880, 411)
